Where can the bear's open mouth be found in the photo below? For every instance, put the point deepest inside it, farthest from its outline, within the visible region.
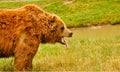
(63, 41)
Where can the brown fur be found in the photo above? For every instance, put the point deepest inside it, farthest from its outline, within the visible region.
(21, 31)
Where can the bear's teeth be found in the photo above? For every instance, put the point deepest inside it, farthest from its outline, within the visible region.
(65, 42)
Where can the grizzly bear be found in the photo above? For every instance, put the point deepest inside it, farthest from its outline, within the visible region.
(22, 29)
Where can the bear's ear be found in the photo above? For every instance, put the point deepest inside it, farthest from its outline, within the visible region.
(52, 19)
(53, 16)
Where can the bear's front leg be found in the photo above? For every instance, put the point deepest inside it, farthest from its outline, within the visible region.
(23, 54)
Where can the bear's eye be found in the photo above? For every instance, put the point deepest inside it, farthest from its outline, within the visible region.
(62, 28)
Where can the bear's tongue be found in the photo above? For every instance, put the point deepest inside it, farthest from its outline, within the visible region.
(64, 42)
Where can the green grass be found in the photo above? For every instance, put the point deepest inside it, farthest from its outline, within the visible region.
(90, 50)
(77, 12)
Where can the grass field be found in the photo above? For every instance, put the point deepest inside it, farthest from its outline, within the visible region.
(91, 49)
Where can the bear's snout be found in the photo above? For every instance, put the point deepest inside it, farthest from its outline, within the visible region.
(67, 33)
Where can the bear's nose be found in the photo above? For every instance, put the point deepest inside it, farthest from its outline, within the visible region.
(70, 35)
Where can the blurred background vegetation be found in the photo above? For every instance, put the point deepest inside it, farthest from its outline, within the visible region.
(76, 12)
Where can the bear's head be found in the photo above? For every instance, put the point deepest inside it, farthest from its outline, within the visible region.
(58, 30)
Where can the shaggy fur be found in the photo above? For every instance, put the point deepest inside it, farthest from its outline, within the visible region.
(21, 31)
